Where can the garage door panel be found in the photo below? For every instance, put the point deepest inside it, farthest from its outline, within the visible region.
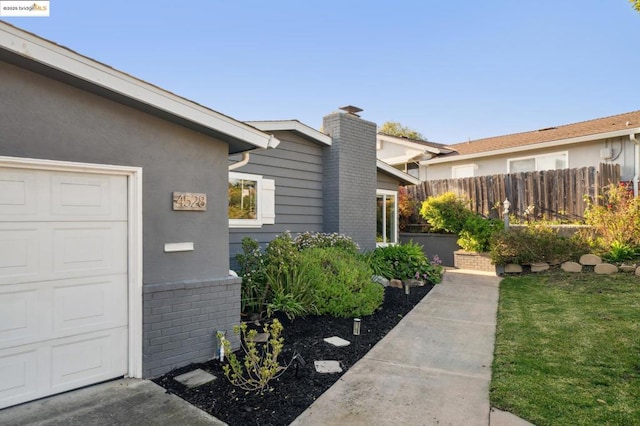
(87, 359)
(19, 316)
(19, 381)
(18, 193)
(89, 305)
(92, 197)
(18, 251)
(87, 248)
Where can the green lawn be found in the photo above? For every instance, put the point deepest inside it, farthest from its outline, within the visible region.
(568, 349)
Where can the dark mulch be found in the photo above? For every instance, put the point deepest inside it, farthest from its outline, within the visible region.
(290, 394)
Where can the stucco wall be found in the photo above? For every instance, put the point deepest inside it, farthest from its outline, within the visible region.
(43, 118)
(579, 155)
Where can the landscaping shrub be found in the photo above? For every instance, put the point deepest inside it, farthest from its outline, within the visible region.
(291, 293)
(308, 240)
(446, 212)
(254, 289)
(477, 232)
(404, 261)
(342, 282)
(615, 223)
(535, 244)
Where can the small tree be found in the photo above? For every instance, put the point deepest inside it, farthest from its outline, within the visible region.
(636, 4)
(393, 128)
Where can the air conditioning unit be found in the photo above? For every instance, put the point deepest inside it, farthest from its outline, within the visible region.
(606, 153)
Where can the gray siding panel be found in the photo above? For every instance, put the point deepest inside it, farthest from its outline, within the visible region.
(296, 167)
(387, 182)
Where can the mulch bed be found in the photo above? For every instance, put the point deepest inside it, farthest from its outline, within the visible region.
(291, 393)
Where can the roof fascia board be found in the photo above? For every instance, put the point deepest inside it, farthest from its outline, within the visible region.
(412, 145)
(292, 126)
(381, 165)
(531, 147)
(62, 59)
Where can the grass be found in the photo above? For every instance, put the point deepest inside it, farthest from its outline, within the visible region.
(568, 349)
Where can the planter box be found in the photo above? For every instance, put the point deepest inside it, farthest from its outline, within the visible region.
(442, 245)
(474, 261)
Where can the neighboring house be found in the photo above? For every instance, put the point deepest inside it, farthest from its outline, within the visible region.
(406, 154)
(101, 274)
(612, 139)
(315, 182)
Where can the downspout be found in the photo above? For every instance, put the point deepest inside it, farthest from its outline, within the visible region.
(245, 160)
(636, 166)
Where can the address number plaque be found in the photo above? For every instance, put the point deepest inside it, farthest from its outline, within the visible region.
(189, 201)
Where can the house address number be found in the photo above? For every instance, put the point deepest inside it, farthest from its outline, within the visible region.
(189, 201)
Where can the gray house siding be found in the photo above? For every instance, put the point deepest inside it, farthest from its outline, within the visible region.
(296, 167)
(387, 182)
(187, 296)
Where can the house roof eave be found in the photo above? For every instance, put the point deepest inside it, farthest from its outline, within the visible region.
(386, 168)
(295, 126)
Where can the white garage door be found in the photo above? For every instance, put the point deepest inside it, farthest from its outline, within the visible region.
(63, 281)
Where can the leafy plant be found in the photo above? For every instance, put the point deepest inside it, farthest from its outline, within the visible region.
(619, 252)
(260, 365)
(342, 282)
(404, 261)
(254, 289)
(535, 244)
(292, 294)
(477, 232)
(308, 240)
(446, 212)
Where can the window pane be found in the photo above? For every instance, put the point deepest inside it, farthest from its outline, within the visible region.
(379, 219)
(243, 199)
(462, 171)
(525, 165)
(552, 162)
(390, 227)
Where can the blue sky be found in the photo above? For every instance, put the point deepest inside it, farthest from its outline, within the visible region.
(451, 70)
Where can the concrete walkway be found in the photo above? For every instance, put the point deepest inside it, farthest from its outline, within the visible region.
(433, 368)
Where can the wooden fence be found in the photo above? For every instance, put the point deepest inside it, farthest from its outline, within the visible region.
(551, 194)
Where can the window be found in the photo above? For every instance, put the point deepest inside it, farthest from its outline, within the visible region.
(554, 161)
(465, 171)
(387, 217)
(251, 200)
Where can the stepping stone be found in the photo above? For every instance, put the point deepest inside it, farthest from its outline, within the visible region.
(327, 367)
(337, 341)
(605, 269)
(195, 378)
(590, 260)
(512, 268)
(539, 267)
(571, 267)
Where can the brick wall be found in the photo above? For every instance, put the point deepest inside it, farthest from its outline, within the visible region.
(474, 261)
(181, 319)
(349, 187)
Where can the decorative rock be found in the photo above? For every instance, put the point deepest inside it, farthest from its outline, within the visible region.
(395, 283)
(539, 267)
(337, 341)
(638, 271)
(327, 367)
(380, 280)
(512, 268)
(605, 269)
(195, 378)
(590, 260)
(571, 267)
(627, 268)
(414, 283)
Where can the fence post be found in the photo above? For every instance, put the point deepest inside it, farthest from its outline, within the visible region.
(505, 214)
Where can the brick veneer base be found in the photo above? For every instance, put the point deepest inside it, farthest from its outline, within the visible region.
(474, 261)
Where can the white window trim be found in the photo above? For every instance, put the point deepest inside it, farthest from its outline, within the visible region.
(249, 223)
(461, 166)
(536, 157)
(385, 192)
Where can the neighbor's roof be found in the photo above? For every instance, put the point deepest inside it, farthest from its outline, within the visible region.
(35, 53)
(598, 126)
(433, 147)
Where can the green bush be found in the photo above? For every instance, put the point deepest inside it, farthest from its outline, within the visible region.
(477, 232)
(535, 244)
(342, 282)
(291, 293)
(446, 212)
(254, 289)
(404, 261)
(308, 240)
